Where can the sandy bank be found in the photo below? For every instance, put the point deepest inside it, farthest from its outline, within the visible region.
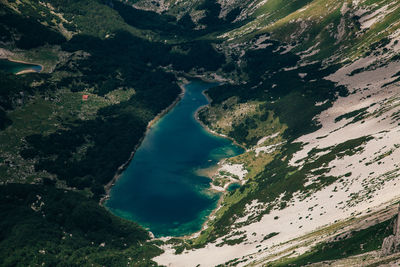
(24, 62)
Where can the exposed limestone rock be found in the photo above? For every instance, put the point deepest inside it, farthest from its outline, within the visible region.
(391, 244)
(388, 245)
(4, 53)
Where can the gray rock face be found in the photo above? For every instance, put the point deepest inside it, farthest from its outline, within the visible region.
(391, 244)
(388, 245)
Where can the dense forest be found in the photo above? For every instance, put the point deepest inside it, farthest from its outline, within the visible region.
(46, 225)
(123, 61)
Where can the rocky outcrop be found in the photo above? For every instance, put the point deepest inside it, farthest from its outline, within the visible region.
(4, 53)
(391, 244)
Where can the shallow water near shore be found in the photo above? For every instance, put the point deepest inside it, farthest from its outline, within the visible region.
(15, 67)
(161, 189)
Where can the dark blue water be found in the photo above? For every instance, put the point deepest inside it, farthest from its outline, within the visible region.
(15, 67)
(160, 189)
(233, 187)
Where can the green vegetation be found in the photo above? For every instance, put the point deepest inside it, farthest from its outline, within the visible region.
(69, 139)
(10, 88)
(45, 226)
(122, 59)
(354, 243)
(245, 122)
(355, 113)
(279, 93)
(283, 92)
(33, 34)
(270, 235)
(127, 61)
(277, 178)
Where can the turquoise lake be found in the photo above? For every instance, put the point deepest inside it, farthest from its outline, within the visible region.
(15, 67)
(160, 189)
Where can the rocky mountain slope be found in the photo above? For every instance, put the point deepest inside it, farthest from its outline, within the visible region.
(310, 89)
(327, 152)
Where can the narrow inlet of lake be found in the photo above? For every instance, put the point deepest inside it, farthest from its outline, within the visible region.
(160, 189)
(16, 67)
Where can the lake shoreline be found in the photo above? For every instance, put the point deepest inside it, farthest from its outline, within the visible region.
(221, 198)
(183, 82)
(24, 62)
(123, 167)
(196, 116)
